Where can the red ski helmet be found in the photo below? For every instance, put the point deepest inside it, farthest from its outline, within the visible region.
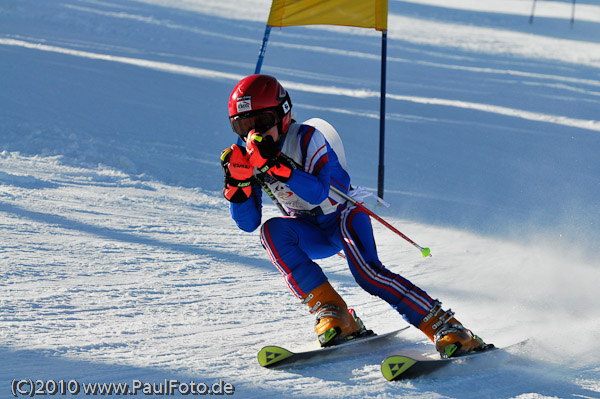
(259, 102)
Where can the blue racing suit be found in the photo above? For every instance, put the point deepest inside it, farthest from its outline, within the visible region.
(321, 224)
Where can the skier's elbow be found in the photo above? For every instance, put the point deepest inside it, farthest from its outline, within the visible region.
(320, 196)
(245, 215)
(247, 226)
(247, 222)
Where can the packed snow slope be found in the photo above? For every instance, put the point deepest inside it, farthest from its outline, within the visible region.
(118, 258)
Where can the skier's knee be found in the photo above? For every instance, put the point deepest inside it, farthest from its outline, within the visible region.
(277, 230)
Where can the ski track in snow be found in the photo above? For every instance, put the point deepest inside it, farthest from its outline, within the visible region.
(118, 258)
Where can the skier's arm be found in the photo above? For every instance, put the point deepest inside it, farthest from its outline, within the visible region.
(311, 183)
(311, 188)
(247, 215)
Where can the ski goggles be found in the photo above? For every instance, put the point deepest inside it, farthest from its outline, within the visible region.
(260, 122)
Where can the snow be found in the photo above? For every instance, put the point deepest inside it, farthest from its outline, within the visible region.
(118, 258)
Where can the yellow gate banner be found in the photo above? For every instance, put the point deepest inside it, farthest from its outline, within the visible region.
(360, 13)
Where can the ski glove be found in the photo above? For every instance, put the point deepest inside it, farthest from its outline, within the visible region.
(238, 174)
(265, 155)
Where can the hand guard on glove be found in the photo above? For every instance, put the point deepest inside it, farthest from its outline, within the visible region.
(238, 174)
(264, 153)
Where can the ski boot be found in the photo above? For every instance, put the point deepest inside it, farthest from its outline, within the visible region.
(451, 338)
(334, 322)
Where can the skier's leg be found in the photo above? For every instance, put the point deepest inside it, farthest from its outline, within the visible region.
(413, 303)
(292, 244)
(356, 234)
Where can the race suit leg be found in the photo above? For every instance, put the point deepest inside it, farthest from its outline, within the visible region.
(356, 234)
(292, 243)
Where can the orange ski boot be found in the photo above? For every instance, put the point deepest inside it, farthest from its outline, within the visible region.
(451, 338)
(335, 323)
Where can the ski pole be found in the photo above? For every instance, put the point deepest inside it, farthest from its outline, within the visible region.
(271, 195)
(425, 252)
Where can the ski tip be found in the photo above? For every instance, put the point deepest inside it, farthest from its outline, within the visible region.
(394, 366)
(272, 355)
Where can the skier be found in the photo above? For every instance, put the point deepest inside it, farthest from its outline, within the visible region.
(296, 165)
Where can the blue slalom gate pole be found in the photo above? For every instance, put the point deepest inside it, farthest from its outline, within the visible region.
(380, 176)
(263, 48)
(261, 56)
(532, 11)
